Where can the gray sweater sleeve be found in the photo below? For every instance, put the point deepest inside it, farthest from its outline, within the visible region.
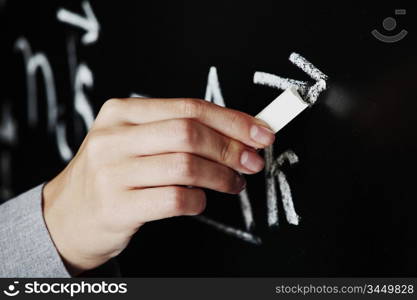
(26, 248)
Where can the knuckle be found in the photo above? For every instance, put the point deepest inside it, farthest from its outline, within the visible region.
(201, 204)
(183, 201)
(227, 181)
(177, 199)
(95, 143)
(101, 142)
(235, 122)
(184, 167)
(226, 151)
(191, 107)
(186, 132)
(110, 106)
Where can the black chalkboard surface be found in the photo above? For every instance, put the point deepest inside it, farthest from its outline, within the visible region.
(347, 164)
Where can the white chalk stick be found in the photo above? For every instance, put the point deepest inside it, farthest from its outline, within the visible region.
(283, 109)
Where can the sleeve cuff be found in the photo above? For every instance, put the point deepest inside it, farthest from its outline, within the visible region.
(26, 248)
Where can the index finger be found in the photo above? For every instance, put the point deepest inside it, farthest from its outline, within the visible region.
(233, 123)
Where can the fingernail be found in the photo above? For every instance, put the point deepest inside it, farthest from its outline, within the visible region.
(251, 161)
(262, 135)
(240, 182)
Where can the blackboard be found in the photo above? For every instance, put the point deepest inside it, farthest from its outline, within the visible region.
(352, 172)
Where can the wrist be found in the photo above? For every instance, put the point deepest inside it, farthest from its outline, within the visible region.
(54, 222)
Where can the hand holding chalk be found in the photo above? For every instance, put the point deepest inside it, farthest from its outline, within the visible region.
(134, 166)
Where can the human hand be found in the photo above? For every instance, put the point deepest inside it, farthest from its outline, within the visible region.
(143, 160)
